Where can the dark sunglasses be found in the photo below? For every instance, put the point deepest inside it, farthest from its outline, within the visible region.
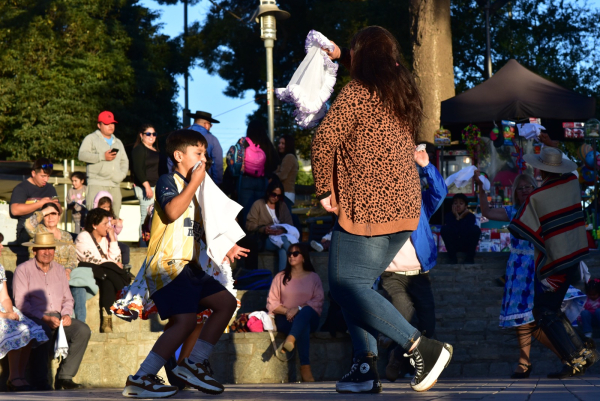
(46, 166)
(51, 214)
(150, 133)
(294, 254)
(274, 195)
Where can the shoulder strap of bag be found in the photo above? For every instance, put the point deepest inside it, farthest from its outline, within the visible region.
(99, 247)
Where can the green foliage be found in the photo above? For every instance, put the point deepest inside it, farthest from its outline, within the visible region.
(234, 50)
(304, 177)
(553, 38)
(64, 61)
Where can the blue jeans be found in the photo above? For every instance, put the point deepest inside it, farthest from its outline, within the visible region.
(79, 296)
(269, 246)
(305, 322)
(355, 262)
(589, 319)
(140, 194)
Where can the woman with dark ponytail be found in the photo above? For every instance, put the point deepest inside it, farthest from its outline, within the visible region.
(363, 162)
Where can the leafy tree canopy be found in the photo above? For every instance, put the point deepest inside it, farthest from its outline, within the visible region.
(553, 38)
(64, 61)
(233, 49)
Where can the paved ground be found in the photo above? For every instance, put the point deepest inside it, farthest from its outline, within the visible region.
(586, 388)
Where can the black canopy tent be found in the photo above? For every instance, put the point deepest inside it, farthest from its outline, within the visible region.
(515, 93)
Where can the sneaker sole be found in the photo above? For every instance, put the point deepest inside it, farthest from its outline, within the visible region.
(362, 387)
(136, 392)
(196, 383)
(441, 364)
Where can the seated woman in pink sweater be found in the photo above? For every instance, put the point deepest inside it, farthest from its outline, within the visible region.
(296, 299)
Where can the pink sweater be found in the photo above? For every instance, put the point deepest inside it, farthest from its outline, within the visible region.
(306, 291)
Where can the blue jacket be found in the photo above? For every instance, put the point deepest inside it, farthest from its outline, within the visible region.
(432, 199)
(214, 151)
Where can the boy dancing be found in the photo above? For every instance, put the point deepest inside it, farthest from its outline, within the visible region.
(177, 285)
(552, 220)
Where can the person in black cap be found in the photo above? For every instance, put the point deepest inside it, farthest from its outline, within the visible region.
(203, 121)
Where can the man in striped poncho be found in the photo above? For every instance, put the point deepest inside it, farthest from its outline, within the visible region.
(552, 220)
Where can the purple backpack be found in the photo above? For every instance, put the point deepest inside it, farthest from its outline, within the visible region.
(254, 160)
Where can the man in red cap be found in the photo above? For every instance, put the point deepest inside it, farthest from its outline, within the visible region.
(107, 163)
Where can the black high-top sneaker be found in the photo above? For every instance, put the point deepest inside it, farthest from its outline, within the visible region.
(362, 378)
(429, 358)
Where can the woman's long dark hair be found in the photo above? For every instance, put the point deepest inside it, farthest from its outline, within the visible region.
(273, 185)
(141, 130)
(307, 265)
(290, 146)
(258, 135)
(378, 64)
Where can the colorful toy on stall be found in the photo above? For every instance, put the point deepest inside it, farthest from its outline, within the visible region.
(586, 176)
(518, 155)
(589, 159)
(471, 136)
(496, 137)
(508, 131)
(583, 151)
(441, 137)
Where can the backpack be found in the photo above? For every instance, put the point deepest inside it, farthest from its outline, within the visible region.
(235, 157)
(254, 160)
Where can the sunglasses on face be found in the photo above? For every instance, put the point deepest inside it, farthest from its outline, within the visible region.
(275, 195)
(51, 214)
(294, 254)
(150, 133)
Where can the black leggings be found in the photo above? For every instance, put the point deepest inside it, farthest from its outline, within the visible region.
(110, 279)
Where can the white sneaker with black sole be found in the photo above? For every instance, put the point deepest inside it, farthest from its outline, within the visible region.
(429, 358)
(199, 376)
(148, 386)
(362, 378)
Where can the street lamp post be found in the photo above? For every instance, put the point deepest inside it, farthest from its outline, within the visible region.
(268, 13)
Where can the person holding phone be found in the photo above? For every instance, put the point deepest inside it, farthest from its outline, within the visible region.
(107, 162)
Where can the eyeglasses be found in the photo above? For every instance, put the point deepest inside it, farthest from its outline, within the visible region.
(45, 166)
(525, 188)
(51, 214)
(275, 195)
(150, 133)
(294, 254)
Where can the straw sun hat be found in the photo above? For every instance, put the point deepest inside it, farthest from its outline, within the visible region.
(44, 240)
(550, 160)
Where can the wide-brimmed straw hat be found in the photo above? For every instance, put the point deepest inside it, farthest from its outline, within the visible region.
(550, 160)
(44, 240)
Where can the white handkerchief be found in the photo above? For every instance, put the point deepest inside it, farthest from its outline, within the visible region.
(61, 346)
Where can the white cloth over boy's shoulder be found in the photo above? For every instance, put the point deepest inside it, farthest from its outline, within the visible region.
(220, 227)
(461, 178)
(61, 346)
(312, 83)
(292, 235)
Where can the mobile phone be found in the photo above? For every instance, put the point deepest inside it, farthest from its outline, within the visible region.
(114, 151)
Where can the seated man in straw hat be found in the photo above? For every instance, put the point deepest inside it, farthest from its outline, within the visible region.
(42, 293)
(552, 220)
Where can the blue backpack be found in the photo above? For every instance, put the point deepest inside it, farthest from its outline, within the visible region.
(259, 279)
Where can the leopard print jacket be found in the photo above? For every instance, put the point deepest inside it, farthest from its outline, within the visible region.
(364, 156)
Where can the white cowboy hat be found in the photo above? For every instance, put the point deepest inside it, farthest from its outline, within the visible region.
(550, 160)
(44, 240)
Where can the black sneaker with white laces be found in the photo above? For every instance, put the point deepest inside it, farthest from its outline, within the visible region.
(362, 378)
(429, 358)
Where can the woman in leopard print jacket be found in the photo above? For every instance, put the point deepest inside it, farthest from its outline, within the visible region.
(364, 169)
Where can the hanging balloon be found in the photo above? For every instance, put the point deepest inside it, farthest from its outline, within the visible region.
(587, 176)
(589, 159)
(583, 151)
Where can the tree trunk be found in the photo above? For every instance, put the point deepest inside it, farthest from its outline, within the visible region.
(432, 59)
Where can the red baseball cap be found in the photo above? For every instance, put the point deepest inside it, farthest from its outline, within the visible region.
(107, 117)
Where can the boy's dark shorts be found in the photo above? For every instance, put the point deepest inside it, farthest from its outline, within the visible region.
(183, 295)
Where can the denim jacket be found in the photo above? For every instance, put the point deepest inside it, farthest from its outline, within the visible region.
(432, 199)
